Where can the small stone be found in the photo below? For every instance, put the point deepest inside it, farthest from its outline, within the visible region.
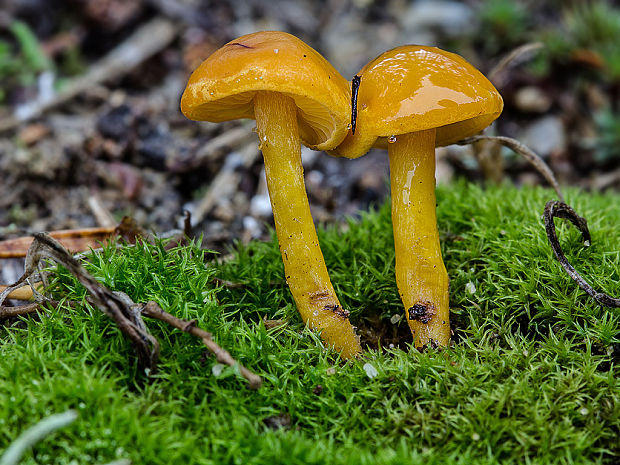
(260, 206)
(315, 177)
(450, 18)
(395, 318)
(252, 226)
(545, 135)
(532, 99)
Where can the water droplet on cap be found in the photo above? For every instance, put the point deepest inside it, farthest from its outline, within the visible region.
(391, 139)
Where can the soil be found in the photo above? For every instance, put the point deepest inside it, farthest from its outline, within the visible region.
(122, 147)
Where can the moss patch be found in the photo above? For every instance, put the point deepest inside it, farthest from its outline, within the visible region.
(532, 376)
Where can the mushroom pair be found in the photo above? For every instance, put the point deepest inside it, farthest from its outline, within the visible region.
(409, 100)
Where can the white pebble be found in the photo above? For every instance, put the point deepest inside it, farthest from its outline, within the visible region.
(260, 206)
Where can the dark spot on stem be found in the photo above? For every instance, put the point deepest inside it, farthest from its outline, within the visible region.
(320, 295)
(422, 312)
(338, 310)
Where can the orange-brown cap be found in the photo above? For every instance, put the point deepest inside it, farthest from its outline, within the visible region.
(413, 88)
(222, 88)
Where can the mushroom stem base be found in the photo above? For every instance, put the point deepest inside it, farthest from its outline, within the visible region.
(304, 267)
(421, 276)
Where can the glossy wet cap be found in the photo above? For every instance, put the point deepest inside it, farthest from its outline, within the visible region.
(413, 88)
(222, 88)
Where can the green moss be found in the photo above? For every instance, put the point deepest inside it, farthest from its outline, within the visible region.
(532, 376)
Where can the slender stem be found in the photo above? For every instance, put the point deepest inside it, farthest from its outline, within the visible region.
(527, 153)
(421, 276)
(304, 267)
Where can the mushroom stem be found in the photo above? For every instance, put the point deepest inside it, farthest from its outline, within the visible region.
(421, 276)
(304, 267)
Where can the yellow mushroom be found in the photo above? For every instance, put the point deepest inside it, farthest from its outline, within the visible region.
(410, 100)
(294, 94)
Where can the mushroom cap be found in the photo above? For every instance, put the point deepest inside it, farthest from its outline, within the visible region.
(414, 88)
(222, 88)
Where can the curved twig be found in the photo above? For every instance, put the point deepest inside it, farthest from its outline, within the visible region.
(153, 310)
(526, 153)
(553, 209)
(514, 58)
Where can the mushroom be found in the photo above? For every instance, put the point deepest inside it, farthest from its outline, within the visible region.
(410, 100)
(293, 93)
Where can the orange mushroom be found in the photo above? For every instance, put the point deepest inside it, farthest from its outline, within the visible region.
(410, 100)
(293, 93)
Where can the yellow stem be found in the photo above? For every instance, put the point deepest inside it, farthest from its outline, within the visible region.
(421, 276)
(306, 273)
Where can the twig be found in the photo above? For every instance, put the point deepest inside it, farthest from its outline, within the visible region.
(153, 310)
(21, 310)
(520, 148)
(515, 57)
(21, 293)
(144, 43)
(557, 209)
(117, 305)
(102, 215)
(213, 149)
(227, 284)
(73, 239)
(44, 247)
(34, 434)
(225, 182)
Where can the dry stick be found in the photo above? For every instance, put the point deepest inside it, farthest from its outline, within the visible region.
(116, 305)
(21, 293)
(225, 182)
(144, 43)
(526, 153)
(73, 239)
(554, 209)
(153, 310)
(44, 247)
(102, 215)
(21, 310)
(514, 58)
